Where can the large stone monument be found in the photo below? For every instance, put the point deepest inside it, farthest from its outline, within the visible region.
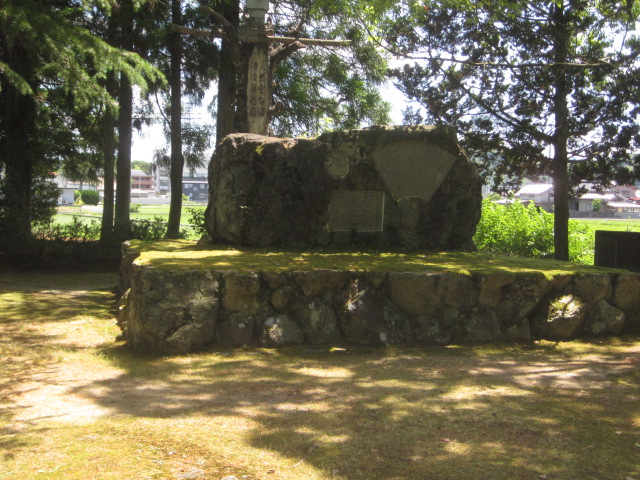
(388, 187)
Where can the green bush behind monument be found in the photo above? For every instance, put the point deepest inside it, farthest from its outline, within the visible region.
(527, 231)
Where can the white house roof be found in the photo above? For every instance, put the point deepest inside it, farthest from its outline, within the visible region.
(535, 189)
(599, 196)
(623, 205)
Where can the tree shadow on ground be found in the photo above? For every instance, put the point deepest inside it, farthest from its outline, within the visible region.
(38, 311)
(404, 413)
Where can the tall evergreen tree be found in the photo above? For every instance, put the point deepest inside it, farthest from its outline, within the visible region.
(533, 88)
(43, 46)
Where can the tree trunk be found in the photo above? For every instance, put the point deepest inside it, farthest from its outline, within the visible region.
(106, 232)
(227, 81)
(561, 137)
(177, 159)
(19, 128)
(122, 221)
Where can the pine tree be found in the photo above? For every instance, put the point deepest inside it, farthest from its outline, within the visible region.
(533, 88)
(45, 47)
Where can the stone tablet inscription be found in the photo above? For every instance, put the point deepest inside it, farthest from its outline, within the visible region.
(356, 210)
(413, 168)
(258, 91)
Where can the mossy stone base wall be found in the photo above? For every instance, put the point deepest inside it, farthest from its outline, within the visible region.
(179, 311)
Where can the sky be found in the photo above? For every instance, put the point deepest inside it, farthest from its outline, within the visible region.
(151, 138)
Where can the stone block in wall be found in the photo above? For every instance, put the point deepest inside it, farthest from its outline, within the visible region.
(241, 292)
(318, 321)
(454, 291)
(626, 297)
(280, 331)
(591, 288)
(368, 317)
(478, 327)
(172, 312)
(562, 319)
(315, 283)
(236, 330)
(521, 298)
(414, 293)
(490, 287)
(603, 319)
(429, 331)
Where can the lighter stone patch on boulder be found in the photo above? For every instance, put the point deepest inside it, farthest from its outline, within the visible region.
(337, 163)
(413, 168)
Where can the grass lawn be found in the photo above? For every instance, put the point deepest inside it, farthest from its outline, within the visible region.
(631, 225)
(76, 404)
(65, 214)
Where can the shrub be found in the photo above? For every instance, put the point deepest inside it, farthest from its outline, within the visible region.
(197, 221)
(76, 230)
(90, 197)
(527, 231)
(155, 229)
(515, 229)
(134, 207)
(149, 229)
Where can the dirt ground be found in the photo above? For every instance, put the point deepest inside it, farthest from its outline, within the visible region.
(63, 369)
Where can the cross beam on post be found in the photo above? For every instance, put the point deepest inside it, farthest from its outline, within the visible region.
(255, 39)
(248, 38)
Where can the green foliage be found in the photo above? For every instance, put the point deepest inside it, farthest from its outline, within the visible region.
(155, 229)
(57, 37)
(44, 198)
(90, 197)
(532, 88)
(527, 231)
(515, 229)
(597, 205)
(197, 221)
(76, 230)
(134, 207)
(581, 243)
(146, 167)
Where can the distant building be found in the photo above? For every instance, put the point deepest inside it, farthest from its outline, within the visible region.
(541, 194)
(626, 191)
(141, 181)
(584, 203)
(68, 187)
(624, 207)
(196, 188)
(162, 180)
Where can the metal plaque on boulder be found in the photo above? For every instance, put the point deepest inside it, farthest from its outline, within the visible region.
(355, 210)
(413, 168)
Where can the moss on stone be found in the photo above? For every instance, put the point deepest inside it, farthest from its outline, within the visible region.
(182, 254)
